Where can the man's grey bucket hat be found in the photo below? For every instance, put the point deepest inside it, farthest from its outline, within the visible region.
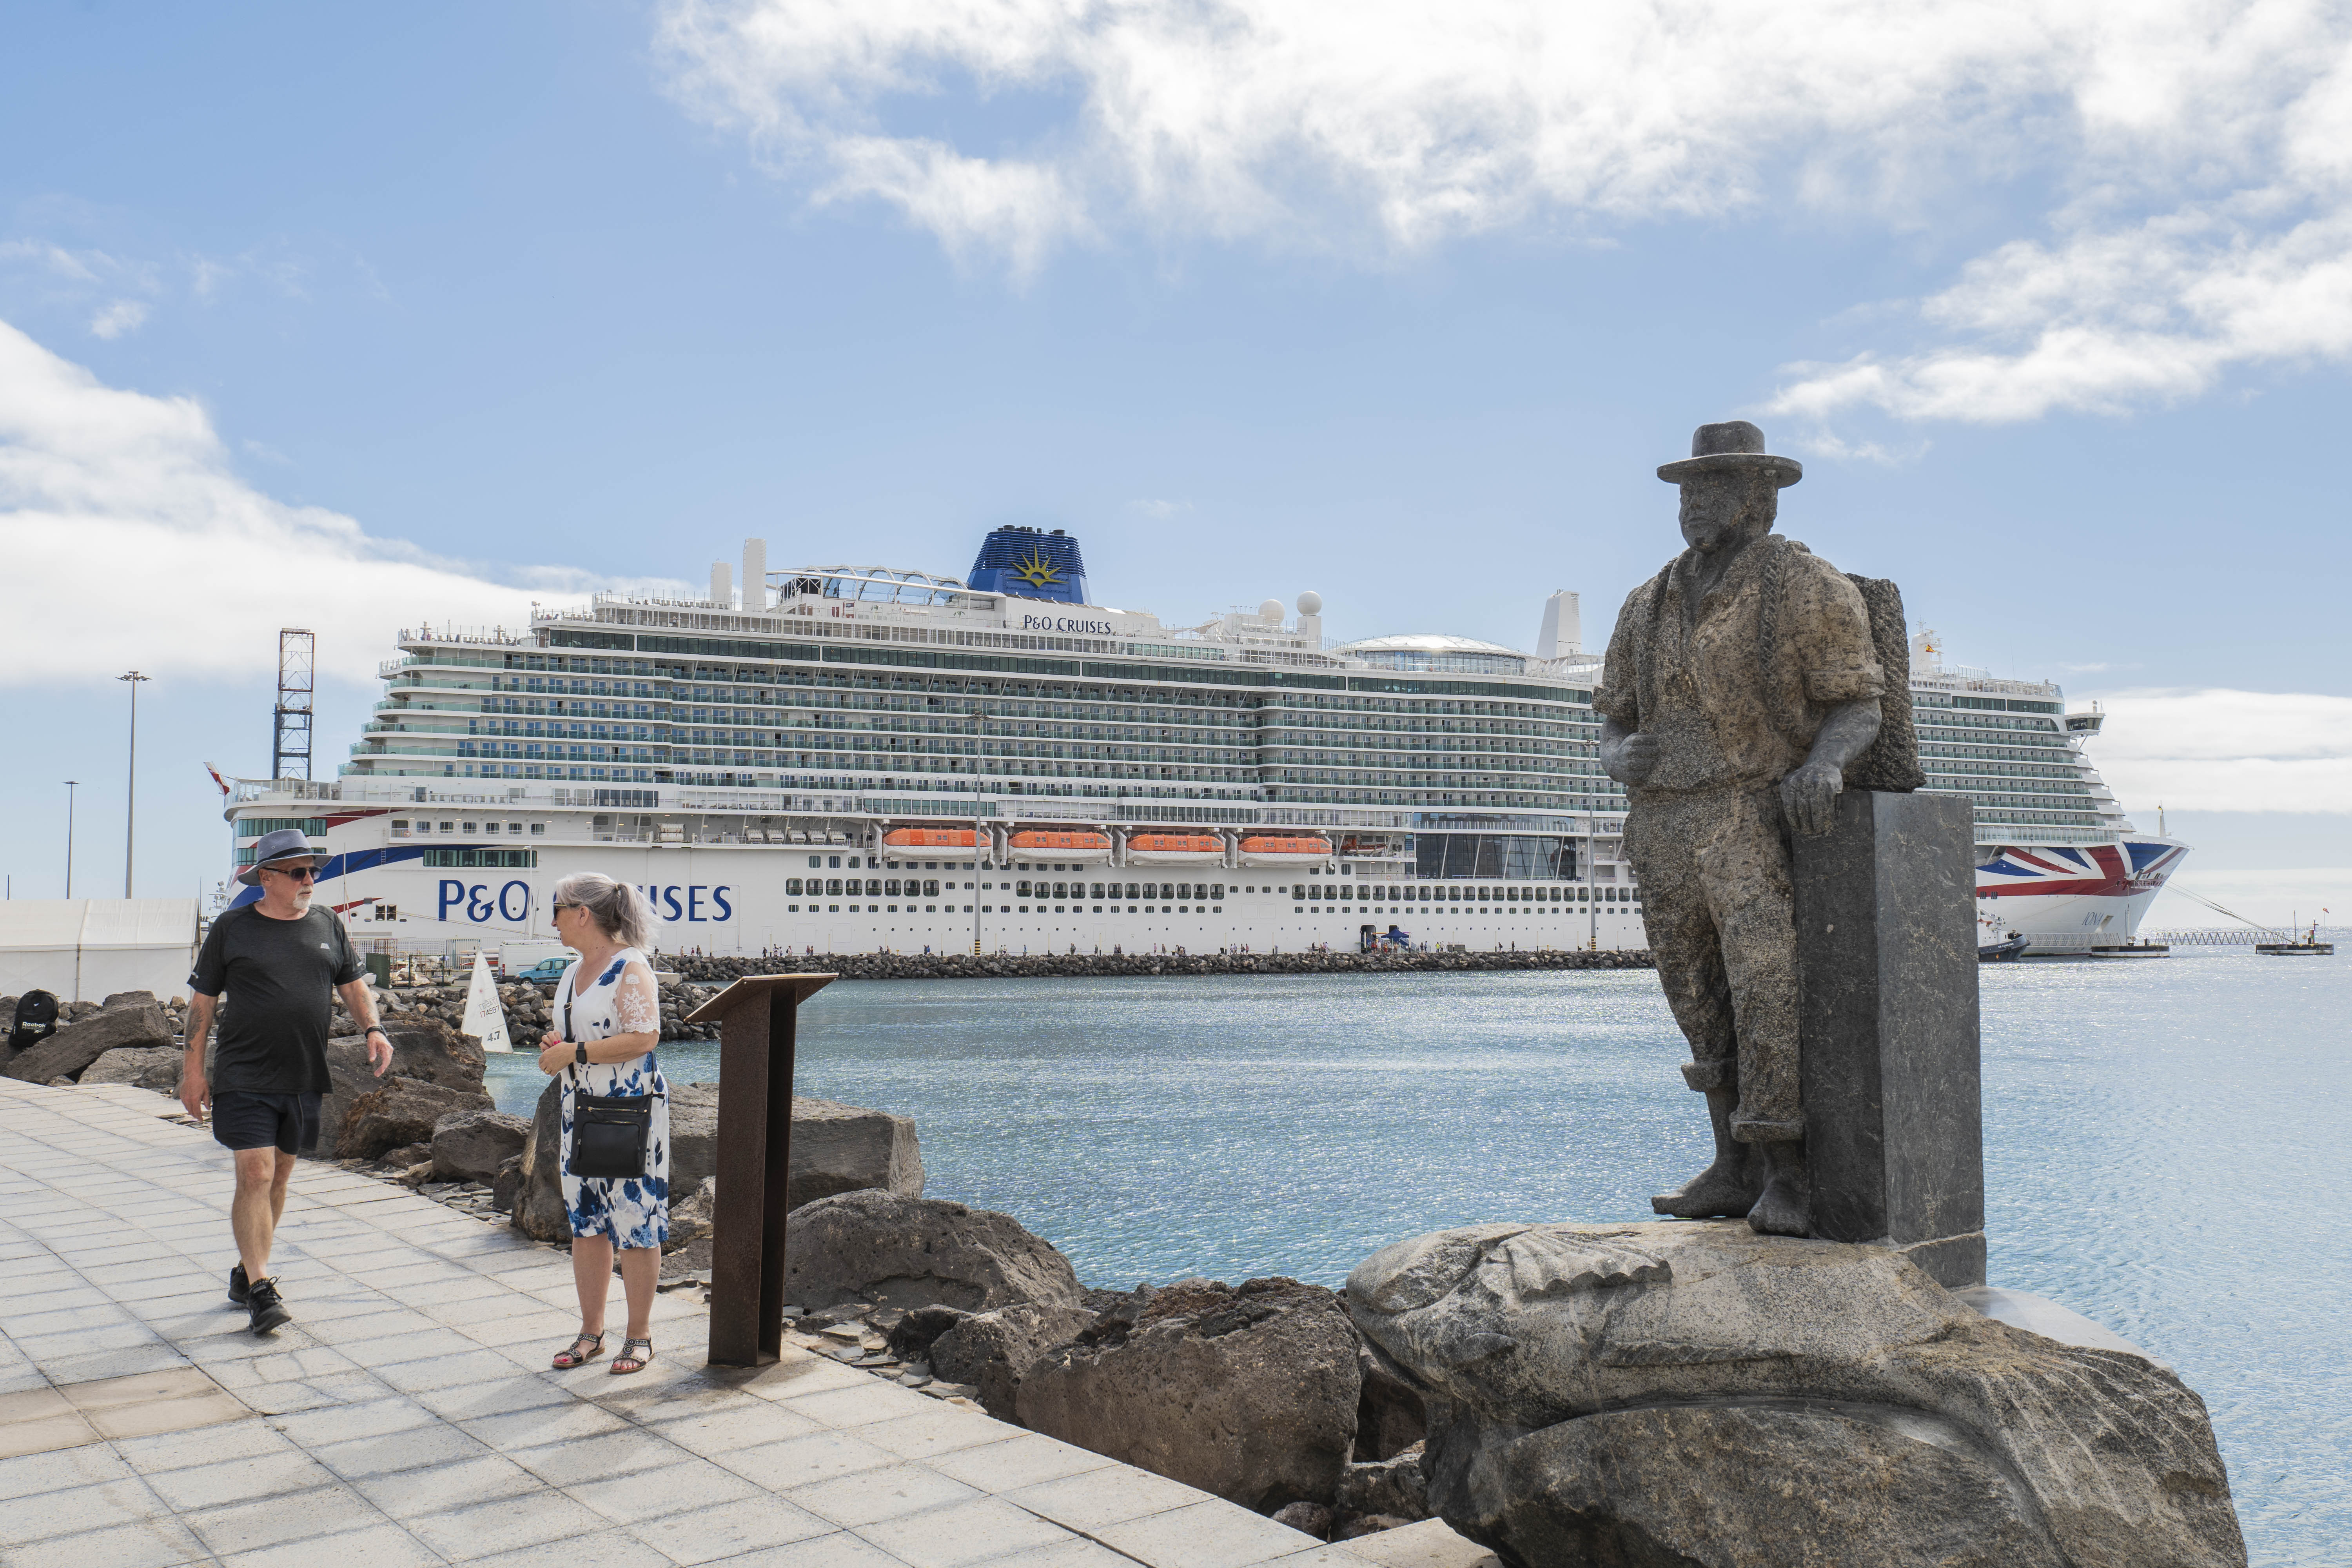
(286, 843)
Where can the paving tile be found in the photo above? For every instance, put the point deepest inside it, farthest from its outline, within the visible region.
(341, 1423)
(732, 1429)
(1025, 1460)
(536, 1427)
(1075, 1551)
(249, 1438)
(58, 1345)
(970, 1532)
(613, 1548)
(1211, 1534)
(376, 1546)
(447, 1371)
(508, 1396)
(865, 1497)
(22, 1324)
(941, 1429)
(238, 1481)
(727, 1530)
(487, 1528)
(42, 1434)
(877, 1401)
(1431, 1543)
(160, 1543)
(208, 1409)
(113, 1364)
(441, 1488)
(577, 1462)
(1093, 1499)
(802, 1462)
(33, 1405)
(672, 1489)
(407, 1449)
(841, 1549)
(275, 1521)
(513, 1329)
(295, 1395)
(38, 1516)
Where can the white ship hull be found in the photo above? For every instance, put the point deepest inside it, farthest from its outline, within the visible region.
(729, 899)
(2072, 898)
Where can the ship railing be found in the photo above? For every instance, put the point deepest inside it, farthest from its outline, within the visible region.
(298, 789)
(496, 636)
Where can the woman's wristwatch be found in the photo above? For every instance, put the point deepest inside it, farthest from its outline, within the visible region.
(580, 1053)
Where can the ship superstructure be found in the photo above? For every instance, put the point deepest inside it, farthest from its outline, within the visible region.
(853, 758)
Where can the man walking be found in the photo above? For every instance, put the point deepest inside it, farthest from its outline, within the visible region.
(279, 962)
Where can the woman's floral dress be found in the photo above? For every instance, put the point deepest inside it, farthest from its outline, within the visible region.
(620, 1000)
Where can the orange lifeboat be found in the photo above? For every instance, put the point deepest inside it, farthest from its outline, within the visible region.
(1045, 844)
(1284, 849)
(928, 838)
(1175, 849)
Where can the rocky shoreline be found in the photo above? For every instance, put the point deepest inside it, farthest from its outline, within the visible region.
(718, 971)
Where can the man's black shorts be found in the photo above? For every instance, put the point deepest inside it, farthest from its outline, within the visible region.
(243, 1120)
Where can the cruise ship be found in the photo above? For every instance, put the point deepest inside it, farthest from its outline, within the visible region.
(853, 759)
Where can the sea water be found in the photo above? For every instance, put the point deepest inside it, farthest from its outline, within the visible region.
(2164, 1145)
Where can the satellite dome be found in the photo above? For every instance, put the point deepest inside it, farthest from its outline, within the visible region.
(1270, 610)
(1310, 603)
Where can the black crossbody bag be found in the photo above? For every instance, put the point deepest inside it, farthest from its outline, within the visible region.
(610, 1132)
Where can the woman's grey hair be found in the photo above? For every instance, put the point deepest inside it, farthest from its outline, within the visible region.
(619, 909)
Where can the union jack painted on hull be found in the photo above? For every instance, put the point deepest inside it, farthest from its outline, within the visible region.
(2073, 898)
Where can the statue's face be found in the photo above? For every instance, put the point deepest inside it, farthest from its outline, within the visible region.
(1718, 508)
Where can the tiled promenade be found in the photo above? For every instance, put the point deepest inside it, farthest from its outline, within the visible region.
(408, 1414)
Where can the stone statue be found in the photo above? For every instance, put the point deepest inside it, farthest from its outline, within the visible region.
(1742, 684)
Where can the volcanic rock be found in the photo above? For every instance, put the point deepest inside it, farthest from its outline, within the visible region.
(1695, 1392)
(836, 1148)
(401, 1110)
(1250, 1394)
(875, 1246)
(472, 1145)
(75, 1045)
(143, 1067)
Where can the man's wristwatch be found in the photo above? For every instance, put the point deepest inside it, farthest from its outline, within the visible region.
(374, 1030)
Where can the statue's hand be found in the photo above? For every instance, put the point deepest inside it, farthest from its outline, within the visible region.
(1631, 760)
(1809, 797)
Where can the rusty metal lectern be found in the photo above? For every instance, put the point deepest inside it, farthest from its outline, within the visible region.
(757, 1018)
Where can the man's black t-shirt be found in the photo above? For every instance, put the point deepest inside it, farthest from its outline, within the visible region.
(280, 979)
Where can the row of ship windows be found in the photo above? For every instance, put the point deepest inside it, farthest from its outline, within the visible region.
(406, 827)
(1211, 892)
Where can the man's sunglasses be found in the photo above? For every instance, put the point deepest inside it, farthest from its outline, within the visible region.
(296, 873)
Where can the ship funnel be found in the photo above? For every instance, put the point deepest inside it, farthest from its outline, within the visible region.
(721, 594)
(1563, 626)
(755, 576)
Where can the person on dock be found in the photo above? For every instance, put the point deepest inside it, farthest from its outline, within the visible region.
(608, 1012)
(280, 964)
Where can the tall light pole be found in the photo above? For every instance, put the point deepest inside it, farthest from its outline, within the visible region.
(131, 791)
(70, 785)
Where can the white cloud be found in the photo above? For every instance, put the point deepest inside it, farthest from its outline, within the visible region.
(2227, 751)
(131, 542)
(2197, 154)
(120, 316)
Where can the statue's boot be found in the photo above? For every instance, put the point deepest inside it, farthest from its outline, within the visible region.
(1785, 1207)
(1726, 1189)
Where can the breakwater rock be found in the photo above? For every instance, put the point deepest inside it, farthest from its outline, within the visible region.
(1042, 965)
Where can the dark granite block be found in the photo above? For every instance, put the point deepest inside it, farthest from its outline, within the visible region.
(1887, 955)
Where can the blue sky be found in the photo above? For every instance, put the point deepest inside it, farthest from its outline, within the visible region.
(352, 320)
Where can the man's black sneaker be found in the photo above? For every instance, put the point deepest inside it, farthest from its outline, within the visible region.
(269, 1313)
(236, 1286)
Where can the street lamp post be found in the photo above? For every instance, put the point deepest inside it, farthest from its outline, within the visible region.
(70, 785)
(131, 791)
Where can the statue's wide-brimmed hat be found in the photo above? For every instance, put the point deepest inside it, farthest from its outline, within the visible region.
(280, 850)
(1736, 447)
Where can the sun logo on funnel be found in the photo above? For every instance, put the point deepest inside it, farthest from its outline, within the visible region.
(1034, 570)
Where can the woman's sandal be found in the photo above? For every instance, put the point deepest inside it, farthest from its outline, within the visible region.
(580, 1353)
(629, 1361)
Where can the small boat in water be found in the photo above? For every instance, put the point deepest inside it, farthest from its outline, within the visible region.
(2307, 945)
(2003, 952)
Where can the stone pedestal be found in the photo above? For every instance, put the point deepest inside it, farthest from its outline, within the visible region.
(757, 1020)
(1886, 956)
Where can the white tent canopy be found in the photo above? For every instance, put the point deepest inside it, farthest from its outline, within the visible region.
(85, 949)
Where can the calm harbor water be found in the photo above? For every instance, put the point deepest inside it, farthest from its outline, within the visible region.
(2164, 1145)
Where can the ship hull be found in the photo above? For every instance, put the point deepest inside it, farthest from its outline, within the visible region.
(731, 899)
(2074, 900)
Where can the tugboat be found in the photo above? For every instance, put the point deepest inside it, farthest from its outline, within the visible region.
(2007, 952)
(2307, 946)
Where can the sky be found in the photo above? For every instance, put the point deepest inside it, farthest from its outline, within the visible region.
(353, 319)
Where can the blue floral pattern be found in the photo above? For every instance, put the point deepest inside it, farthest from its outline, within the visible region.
(632, 1210)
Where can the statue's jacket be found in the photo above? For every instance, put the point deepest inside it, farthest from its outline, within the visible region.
(1735, 685)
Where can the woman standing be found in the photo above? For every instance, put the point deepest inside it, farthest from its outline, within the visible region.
(608, 1021)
